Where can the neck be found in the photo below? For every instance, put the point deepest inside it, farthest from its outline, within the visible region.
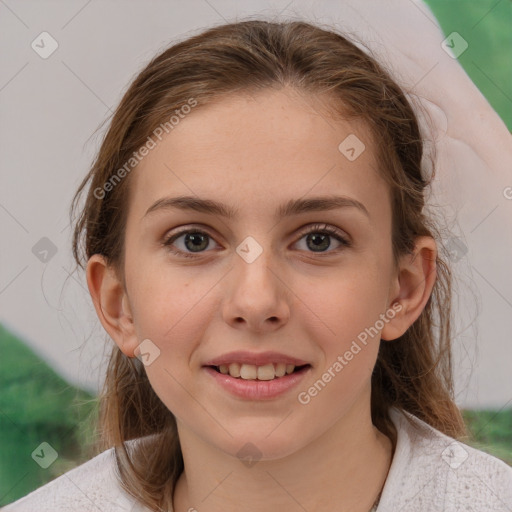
(344, 469)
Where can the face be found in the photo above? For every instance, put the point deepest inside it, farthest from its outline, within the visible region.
(259, 282)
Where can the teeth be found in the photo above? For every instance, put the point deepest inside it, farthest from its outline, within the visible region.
(266, 372)
(280, 369)
(252, 372)
(234, 370)
(248, 371)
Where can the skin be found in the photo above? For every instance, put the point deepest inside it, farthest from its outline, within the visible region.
(255, 153)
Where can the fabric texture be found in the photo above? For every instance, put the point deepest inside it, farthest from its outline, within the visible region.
(429, 472)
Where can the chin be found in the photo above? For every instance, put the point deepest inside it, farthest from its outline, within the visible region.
(257, 445)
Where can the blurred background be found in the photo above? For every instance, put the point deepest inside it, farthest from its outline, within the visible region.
(52, 347)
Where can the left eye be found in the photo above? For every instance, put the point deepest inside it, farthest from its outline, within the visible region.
(196, 241)
(319, 236)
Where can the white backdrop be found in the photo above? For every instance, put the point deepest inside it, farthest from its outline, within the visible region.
(56, 88)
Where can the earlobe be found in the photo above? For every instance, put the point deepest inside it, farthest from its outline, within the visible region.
(416, 279)
(111, 303)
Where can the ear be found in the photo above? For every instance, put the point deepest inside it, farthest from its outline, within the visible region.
(111, 303)
(412, 287)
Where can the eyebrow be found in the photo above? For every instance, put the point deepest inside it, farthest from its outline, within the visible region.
(292, 207)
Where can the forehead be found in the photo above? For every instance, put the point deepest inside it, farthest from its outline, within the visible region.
(256, 152)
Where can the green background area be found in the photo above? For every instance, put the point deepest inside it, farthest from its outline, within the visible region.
(37, 406)
(486, 25)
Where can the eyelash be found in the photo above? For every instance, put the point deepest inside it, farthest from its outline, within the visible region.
(323, 229)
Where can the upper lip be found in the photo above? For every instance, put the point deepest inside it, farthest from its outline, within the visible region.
(255, 358)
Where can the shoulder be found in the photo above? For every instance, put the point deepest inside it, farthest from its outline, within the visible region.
(90, 486)
(432, 471)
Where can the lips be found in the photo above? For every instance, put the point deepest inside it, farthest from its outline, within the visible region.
(254, 388)
(256, 359)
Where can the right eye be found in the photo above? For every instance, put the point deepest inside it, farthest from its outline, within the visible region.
(194, 240)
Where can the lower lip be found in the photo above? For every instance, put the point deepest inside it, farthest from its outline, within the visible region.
(258, 389)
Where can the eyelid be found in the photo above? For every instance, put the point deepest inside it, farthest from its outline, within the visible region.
(187, 228)
(327, 228)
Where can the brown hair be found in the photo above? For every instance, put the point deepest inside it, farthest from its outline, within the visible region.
(413, 372)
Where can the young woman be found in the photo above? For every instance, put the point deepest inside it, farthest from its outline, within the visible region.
(256, 246)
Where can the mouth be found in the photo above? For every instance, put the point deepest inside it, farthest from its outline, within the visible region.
(266, 372)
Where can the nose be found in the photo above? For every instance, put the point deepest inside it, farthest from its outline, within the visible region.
(258, 296)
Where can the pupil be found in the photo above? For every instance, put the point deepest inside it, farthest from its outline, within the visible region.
(196, 239)
(318, 240)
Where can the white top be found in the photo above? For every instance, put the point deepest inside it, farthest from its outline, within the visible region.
(429, 472)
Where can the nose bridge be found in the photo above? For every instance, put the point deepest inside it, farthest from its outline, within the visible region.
(255, 261)
(258, 294)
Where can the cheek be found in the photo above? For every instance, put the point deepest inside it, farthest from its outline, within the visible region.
(341, 321)
(163, 297)
(174, 320)
(176, 327)
(173, 312)
(339, 307)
